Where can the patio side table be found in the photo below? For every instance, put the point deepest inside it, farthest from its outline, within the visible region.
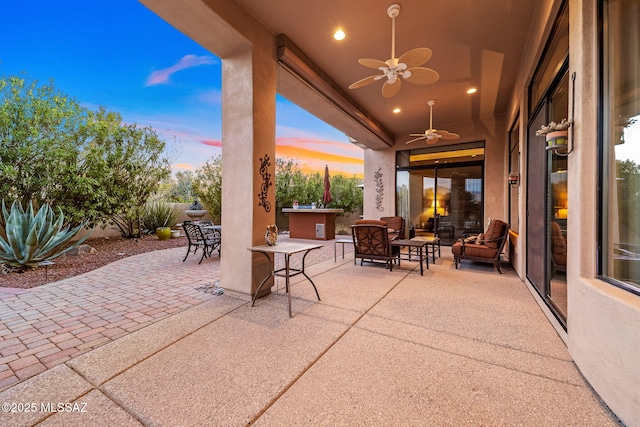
(419, 245)
(287, 249)
(344, 241)
(431, 241)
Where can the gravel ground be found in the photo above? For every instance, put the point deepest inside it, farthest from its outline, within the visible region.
(107, 250)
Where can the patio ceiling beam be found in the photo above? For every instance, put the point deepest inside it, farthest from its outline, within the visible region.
(296, 62)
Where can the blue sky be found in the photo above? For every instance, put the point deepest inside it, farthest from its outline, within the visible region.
(120, 55)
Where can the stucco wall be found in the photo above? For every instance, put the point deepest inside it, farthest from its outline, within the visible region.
(603, 332)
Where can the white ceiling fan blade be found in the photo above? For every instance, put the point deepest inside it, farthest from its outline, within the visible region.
(421, 76)
(448, 135)
(364, 82)
(372, 63)
(416, 139)
(390, 89)
(416, 57)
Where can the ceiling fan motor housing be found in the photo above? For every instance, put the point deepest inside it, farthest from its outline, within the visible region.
(393, 10)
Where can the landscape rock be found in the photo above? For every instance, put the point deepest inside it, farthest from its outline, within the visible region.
(82, 250)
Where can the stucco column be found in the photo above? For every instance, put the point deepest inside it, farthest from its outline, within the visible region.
(379, 183)
(248, 173)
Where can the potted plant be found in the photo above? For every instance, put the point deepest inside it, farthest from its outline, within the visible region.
(196, 211)
(556, 134)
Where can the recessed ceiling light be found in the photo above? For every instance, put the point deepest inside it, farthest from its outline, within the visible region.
(472, 90)
(339, 35)
(396, 110)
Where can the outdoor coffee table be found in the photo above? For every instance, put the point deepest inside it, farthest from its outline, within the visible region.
(287, 249)
(433, 241)
(419, 246)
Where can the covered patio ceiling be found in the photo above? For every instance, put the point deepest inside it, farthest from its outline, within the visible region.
(475, 44)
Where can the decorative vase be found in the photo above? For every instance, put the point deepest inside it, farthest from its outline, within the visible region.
(163, 233)
(271, 236)
(175, 234)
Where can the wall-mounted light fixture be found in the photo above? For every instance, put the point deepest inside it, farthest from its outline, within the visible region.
(513, 179)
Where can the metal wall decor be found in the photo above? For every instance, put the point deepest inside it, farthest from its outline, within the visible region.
(266, 183)
(377, 177)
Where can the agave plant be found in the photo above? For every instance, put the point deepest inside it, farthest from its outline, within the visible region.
(28, 239)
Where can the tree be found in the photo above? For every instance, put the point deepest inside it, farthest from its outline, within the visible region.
(89, 164)
(181, 187)
(290, 184)
(345, 193)
(628, 185)
(207, 187)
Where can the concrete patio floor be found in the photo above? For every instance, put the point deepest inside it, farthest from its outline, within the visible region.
(452, 347)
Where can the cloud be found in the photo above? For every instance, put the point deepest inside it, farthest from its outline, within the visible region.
(187, 61)
(211, 142)
(183, 166)
(333, 147)
(306, 154)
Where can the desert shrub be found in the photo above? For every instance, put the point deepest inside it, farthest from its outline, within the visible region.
(158, 213)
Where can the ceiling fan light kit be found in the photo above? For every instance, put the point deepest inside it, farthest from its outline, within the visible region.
(393, 69)
(432, 135)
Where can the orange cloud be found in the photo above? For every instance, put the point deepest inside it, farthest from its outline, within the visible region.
(185, 166)
(321, 145)
(306, 154)
(187, 61)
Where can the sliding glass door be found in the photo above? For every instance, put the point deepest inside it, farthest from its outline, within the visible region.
(446, 201)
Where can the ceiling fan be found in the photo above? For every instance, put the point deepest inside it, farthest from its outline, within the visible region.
(407, 66)
(432, 135)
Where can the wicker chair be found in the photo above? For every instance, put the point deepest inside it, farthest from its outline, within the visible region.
(486, 250)
(371, 242)
(197, 239)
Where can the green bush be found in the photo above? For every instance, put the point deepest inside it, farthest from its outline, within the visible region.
(28, 239)
(159, 213)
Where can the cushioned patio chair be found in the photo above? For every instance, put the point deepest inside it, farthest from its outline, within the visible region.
(371, 242)
(558, 248)
(199, 240)
(486, 247)
(395, 225)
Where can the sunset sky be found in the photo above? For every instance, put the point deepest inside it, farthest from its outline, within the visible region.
(120, 55)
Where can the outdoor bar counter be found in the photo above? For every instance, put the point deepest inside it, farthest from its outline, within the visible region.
(314, 224)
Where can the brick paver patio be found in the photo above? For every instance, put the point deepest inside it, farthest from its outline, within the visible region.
(48, 325)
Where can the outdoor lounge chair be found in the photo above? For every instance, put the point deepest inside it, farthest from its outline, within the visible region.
(197, 239)
(395, 225)
(371, 242)
(486, 247)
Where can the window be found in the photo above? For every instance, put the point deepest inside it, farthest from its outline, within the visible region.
(620, 144)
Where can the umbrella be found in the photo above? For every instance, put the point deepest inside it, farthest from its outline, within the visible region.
(326, 197)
